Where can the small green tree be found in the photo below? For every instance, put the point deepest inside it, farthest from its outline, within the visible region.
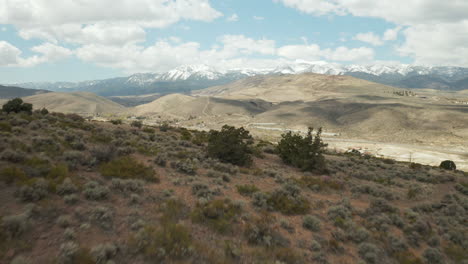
(16, 105)
(305, 153)
(448, 165)
(138, 124)
(231, 145)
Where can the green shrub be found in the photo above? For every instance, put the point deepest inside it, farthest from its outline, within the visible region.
(16, 105)
(311, 222)
(128, 168)
(137, 124)
(260, 231)
(94, 191)
(5, 127)
(448, 165)
(219, 215)
(305, 153)
(433, 255)
(10, 175)
(56, 176)
(72, 253)
(166, 242)
(103, 253)
(288, 201)
(456, 253)
(247, 189)
(320, 183)
(231, 145)
(116, 121)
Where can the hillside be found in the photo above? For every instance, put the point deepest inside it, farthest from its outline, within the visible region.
(8, 92)
(178, 105)
(301, 87)
(89, 192)
(79, 102)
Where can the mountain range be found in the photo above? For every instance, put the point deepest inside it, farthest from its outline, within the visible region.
(186, 78)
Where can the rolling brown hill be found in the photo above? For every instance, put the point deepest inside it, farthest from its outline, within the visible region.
(79, 102)
(303, 87)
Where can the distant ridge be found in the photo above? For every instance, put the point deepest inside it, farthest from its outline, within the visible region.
(187, 78)
(8, 92)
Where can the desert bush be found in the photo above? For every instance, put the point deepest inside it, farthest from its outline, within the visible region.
(64, 221)
(311, 222)
(369, 252)
(186, 166)
(34, 191)
(74, 158)
(21, 260)
(5, 127)
(12, 156)
(220, 215)
(448, 165)
(69, 233)
(137, 124)
(247, 189)
(66, 187)
(128, 168)
(260, 231)
(116, 121)
(284, 223)
(260, 200)
(45, 144)
(288, 200)
(339, 214)
(56, 176)
(376, 191)
(230, 145)
(95, 191)
(71, 199)
(102, 253)
(16, 225)
(128, 186)
(433, 256)
(16, 105)
(320, 183)
(161, 160)
(166, 242)
(305, 153)
(202, 190)
(10, 175)
(103, 216)
(72, 253)
(103, 153)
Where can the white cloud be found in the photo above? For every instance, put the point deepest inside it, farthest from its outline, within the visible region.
(152, 14)
(258, 18)
(391, 34)
(369, 37)
(232, 51)
(103, 33)
(435, 31)
(314, 52)
(314, 7)
(11, 55)
(233, 18)
(398, 11)
(442, 44)
(116, 22)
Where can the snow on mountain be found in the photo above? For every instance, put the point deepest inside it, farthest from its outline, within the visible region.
(190, 77)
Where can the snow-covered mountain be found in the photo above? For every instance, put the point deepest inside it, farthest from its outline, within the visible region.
(193, 77)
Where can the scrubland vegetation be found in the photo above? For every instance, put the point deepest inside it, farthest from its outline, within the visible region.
(74, 191)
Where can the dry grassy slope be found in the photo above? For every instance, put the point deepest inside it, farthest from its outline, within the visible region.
(178, 105)
(79, 102)
(305, 87)
(365, 211)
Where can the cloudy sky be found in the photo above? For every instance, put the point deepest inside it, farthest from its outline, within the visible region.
(70, 40)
